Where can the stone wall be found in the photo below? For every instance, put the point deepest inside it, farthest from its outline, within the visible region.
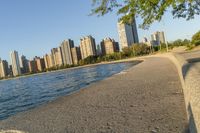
(190, 80)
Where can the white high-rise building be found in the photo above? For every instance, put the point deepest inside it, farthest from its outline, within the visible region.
(57, 56)
(127, 34)
(162, 37)
(88, 47)
(158, 37)
(4, 70)
(15, 63)
(66, 51)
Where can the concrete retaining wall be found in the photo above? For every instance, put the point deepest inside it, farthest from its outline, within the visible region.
(190, 80)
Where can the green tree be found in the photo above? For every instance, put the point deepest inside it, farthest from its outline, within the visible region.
(177, 42)
(89, 60)
(196, 39)
(185, 42)
(180, 42)
(148, 10)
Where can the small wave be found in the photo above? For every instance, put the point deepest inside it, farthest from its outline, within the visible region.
(34, 91)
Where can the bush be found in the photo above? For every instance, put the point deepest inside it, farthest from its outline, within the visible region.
(190, 46)
(140, 49)
(89, 60)
(112, 57)
(127, 52)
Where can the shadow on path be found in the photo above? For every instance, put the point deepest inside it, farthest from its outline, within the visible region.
(192, 125)
(187, 67)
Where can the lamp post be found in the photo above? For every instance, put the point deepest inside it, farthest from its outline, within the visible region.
(167, 47)
(166, 44)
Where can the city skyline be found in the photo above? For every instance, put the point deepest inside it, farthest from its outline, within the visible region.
(59, 52)
(62, 53)
(63, 56)
(34, 32)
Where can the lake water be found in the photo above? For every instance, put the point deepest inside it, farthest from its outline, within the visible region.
(22, 94)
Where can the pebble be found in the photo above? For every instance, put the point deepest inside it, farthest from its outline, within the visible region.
(157, 128)
(153, 131)
(108, 124)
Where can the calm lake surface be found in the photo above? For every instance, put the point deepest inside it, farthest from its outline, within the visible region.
(22, 94)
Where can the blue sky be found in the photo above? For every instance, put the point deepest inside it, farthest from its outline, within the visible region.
(33, 27)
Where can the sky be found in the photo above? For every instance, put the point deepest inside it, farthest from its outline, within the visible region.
(33, 27)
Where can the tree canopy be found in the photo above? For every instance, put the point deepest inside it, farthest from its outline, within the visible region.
(148, 10)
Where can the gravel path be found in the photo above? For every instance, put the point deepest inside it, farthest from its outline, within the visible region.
(147, 98)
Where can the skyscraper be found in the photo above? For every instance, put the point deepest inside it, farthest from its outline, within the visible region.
(127, 34)
(46, 61)
(88, 47)
(15, 63)
(57, 56)
(32, 66)
(99, 52)
(108, 46)
(24, 64)
(162, 37)
(4, 70)
(51, 61)
(40, 64)
(53, 53)
(76, 54)
(158, 37)
(66, 51)
(147, 42)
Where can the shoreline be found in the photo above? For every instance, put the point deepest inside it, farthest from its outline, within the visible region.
(78, 67)
(128, 102)
(102, 63)
(125, 67)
